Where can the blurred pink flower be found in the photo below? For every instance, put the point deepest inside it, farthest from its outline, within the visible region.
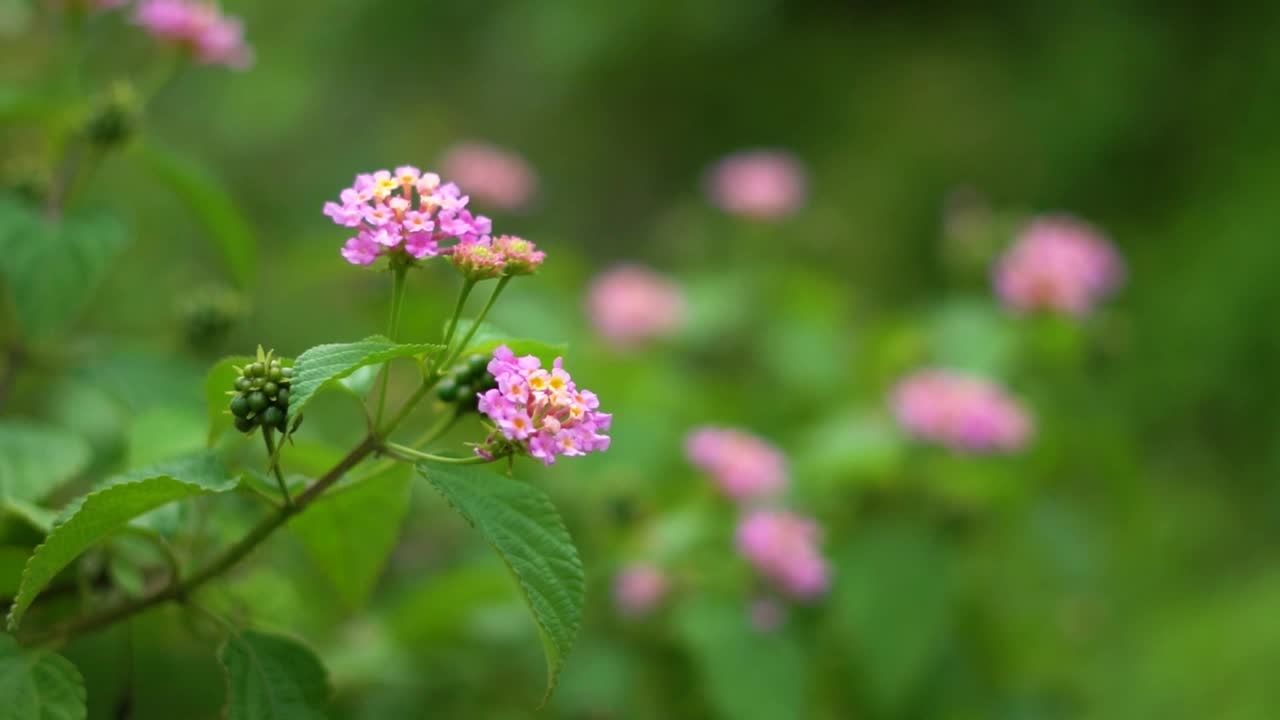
(495, 176)
(631, 304)
(744, 466)
(215, 38)
(784, 547)
(960, 411)
(760, 184)
(639, 588)
(1058, 263)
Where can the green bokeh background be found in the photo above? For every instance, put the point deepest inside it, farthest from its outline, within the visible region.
(1123, 566)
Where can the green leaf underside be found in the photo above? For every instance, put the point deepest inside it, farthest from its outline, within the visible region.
(52, 268)
(38, 685)
(525, 529)
(350, 533)
(489, 337)
(270, 677)
(109, 508)
(208, 200)
(217, 384)
(36, 459)
(322, 365)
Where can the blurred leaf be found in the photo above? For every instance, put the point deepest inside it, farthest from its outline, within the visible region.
(270, 677)
(488, 337)
(749, 675)
(12, 560)
(525, 529)
(39, 685)
(973, 335)
(323, 365)
(894, 598)
(109, 508)
(221, 380)
(37, 459)
(211, 204)
(163, 433)
(53, 267)
(437, 610)
(861, 444)
(142, 379)
(350, 532)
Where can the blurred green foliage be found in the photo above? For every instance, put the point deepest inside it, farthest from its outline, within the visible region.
(1125, 566)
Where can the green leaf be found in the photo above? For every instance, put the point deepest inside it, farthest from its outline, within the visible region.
(522, 525)
(205, 197)
(489, 337)
(270, 677)
(324, 365)
(350, 532)
(749, 675)
(220, 380)
(111, 507)
(36, 459)
(39, 685)
(52, 267)
(12, 560)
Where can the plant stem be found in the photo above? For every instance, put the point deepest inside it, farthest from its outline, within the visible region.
(475, 324)
(393, 326)
(269, 441)
(180, 590)
(457, 312)
(408, 453)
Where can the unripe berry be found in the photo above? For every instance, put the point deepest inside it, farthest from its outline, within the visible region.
(257, 401)
(272, 417)
(243, 384)
(282, 397)
(275, 374)
(240, 406)
(447, 390)
(287, 372)
(270, 388)
(245, 424)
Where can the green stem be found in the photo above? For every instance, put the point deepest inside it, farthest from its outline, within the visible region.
(269, 441)
(226, 560)
(393, 327)
(457, 311)
(159, 542)
(408, 453)
(475, 324)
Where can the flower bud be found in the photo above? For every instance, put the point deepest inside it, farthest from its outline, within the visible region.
(115, 118)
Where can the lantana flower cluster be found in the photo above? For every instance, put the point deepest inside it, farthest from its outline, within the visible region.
(496, 176)
(485, 257)
(784, 546)
(407, 211)
(630, 305)
(540, 411)
(744, 466)
(964, 412)
(1058, 263)
(758, 184)
(212, 36)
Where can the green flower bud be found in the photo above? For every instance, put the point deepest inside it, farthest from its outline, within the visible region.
(115, 118)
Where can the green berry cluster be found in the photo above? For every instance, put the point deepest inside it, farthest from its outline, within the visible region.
(261, 397)
(465, 380)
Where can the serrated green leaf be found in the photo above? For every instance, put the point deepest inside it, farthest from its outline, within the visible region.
(749, 675)
(323, 365)
(488, 337)
(38, 685)
(52, 267)
(270, 677)
(109, 508)
(36, 459)
(207, 199)
(525, 529)
(350, 532)
(217, 383)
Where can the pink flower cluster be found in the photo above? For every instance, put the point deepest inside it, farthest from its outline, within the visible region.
(214, 38)
(387, 216)
(639, 588)
(542, 412)
(744, 466)
(760, 184)
(487, 258)
(960, 411)
(1058, 263)
(784, 547)
(495, 176)
(631, 304)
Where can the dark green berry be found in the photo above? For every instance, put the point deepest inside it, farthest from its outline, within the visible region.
(275, 374)
(487, 380)
(477, 365)
(257, 401)
(240, 406)
(242, 384)
(447, 390)
(282, 397)
(272, 416)
(245, 424)
(254, 370)
(270, 388)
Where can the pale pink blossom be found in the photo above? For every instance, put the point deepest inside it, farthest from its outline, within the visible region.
(760, 184)
(1058, 263)
(744, 466)
(639, 588)
(631, 304)
(495, 176)
(961, 411)
(213, 37)
(783, 546)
